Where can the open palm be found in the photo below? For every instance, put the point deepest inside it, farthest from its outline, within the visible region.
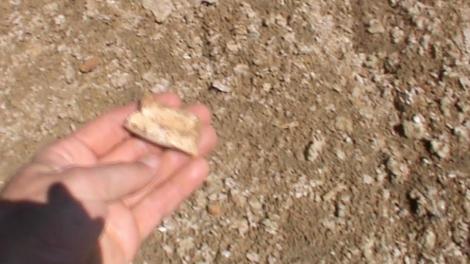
(127, 182)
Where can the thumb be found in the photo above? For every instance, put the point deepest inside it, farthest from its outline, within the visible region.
(113, 181)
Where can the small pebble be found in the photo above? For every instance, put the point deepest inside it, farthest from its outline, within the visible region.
(89, 64)
(220, 86)
(160, 9)
(69, 74)
(375, 27)
(215, 209)
(253, 257)
(209, 2)
(429, 240)
(414, 129)
(440, 148)
(314, 149)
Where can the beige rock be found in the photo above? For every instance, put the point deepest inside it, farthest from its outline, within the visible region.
(440, 148)
(344, 124)
(165, 126)
(400, 171)
(160, 9)
(221, 86)
(414, 130)
(429, 240)
(466, 34)
(314, 148)
(375, 27)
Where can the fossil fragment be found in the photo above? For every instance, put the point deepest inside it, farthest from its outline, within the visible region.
(165, 126)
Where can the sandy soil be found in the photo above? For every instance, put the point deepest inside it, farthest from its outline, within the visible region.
(344, 125)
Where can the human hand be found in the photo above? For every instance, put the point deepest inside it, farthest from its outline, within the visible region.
(105, 187)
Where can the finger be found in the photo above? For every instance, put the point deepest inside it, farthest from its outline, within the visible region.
(165, 199)
(202, 112)
(100, 135)
(172, 161)
(130, 150)
(103, 134)
(169, 99)
(111, 182)
(207, 141)
(65, 153)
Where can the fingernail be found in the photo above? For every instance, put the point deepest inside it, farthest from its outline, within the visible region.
(151, 160)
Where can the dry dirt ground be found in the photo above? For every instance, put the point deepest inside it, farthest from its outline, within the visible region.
(344, 124)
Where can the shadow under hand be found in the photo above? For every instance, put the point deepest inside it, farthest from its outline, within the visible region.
(60, 231)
